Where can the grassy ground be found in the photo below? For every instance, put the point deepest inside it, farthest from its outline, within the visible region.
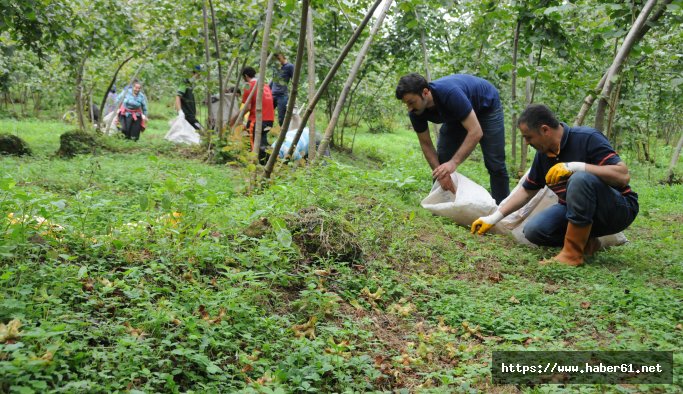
(157, 272)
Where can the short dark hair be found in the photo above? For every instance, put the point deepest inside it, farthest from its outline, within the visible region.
(249, 72)
(537, 115)
(411, 83)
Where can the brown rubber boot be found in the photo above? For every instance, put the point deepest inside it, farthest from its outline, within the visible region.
(574, 245)
(592, 246)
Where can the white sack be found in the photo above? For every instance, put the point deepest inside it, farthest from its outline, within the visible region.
(301, 149)
(471, 201)
(110, 122)
(182, 132)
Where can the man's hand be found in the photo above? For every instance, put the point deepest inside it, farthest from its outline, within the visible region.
(447, 183)
(486, 223)
(562, 171)
(444, 170)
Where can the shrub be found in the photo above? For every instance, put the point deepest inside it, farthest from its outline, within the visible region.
(13, 145)
(76, 142)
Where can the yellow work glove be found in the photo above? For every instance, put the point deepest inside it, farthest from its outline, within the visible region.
(562, 171)
(486, 223)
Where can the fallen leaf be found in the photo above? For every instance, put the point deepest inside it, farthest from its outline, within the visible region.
(47, 356)
(88, 284)
(207, 318)
(372, 297)
(496, 277)
(10, 331)
(137, 333)
(106, 283)
(306, 330)
(585, 305)
(514, 300)
(354, 303)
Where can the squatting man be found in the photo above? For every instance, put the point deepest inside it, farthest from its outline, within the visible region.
(590, 180)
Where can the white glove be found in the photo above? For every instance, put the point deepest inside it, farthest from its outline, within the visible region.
(485, 223)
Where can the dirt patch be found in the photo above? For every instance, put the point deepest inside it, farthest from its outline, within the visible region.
(488, 270)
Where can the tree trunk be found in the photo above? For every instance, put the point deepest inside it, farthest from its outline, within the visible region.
(674, 160)
(614, 100)
(619, 60)
(36, 103)
(207, 59)
(428, 73)
(238, 72)
(330, 75)
(538, 64)
(349, 81)
(305, 13)
(221, 93)
(513, 95)
(79, 84)
(644, 28)
(528, 98)
(258, 127)
(310, 49)
(348, 109)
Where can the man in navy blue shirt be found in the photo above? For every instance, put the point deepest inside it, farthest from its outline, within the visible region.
(279, 86)
(589, 178)
(470, 111)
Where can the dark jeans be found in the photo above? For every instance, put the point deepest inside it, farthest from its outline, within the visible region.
(280, 103)
(492, 146)
(589, 200)
(131, 128)
(266, 125)
(193, 122)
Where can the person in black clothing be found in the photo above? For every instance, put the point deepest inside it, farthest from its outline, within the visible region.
(184, 100)
(279, 85)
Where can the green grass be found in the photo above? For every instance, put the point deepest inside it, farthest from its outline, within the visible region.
(126, 296)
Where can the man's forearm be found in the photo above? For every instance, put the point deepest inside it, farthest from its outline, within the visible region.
(430, 155)
(614, 175)
(465, 149)
(517, 200)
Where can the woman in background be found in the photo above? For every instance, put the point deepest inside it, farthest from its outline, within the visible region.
(133, 112)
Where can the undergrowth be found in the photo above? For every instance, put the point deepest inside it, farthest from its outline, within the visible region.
(144, 269)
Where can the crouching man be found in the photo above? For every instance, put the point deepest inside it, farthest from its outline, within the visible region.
(589, 178)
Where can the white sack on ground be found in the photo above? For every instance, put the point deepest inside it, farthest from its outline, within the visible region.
(109, 123)
(471, 201)
(182, 132)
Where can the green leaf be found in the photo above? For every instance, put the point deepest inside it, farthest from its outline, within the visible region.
(144, 202)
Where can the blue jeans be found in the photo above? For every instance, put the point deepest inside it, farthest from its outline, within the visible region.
(492, 146)
(280, 103)
(589, 200)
